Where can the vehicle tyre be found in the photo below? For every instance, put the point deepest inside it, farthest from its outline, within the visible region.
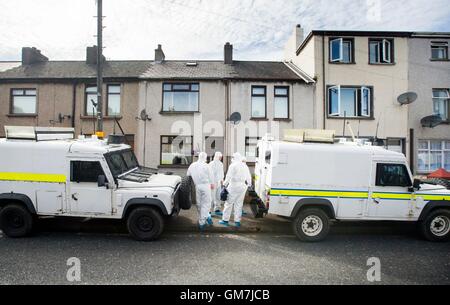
(145, 224)
(436, 226)
(311, 225)
(15, 221)
(186, 193)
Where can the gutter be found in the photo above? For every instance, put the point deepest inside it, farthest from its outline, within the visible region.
(74, 102)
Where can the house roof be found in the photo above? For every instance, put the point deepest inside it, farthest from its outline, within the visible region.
(74, 70)
(171, 69)
(372, 34)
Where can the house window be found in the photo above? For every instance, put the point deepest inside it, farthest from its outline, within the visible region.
(433, 155)
(341, 50)
(23, 101)
(179, 97)
(381, 51)
(176, 150)
(113, 101)
(281, 103)
(392, 175)
(439, 50)
(251, 144)
(85, 171)
(91, 100)
(259, 102)
(349, 101)
(441, 100)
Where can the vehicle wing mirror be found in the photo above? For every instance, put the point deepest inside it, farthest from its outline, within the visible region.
(416, 184)
(101, 181)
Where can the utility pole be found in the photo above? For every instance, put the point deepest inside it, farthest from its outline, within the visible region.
(99, 132)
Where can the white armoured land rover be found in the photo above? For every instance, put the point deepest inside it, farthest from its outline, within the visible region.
(315, 182)
(44, 171)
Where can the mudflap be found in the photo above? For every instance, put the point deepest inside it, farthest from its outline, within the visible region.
(257, 206)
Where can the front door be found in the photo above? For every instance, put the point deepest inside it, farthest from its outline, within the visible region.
(390, 194)
(85, 196)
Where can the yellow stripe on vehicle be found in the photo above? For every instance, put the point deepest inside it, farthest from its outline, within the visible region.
(313, 193)
(356, 195)
(32, 177)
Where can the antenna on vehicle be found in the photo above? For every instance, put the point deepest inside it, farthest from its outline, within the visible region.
(351, 131)
(376, 131)
(359, 125)
(345, 121)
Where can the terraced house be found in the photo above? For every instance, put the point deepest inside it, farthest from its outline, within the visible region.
(168, 109)
(359, 77)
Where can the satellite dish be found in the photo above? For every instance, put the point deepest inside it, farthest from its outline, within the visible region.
(431, 121)
(143, 115)
(235, 117)
(407, 98)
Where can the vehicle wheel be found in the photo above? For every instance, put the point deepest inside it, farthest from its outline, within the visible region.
(145, 224)
(15, 221)
(186, 193)
(436, 226)
(311, 225)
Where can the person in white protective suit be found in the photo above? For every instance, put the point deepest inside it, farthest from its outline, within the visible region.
(244, 160)
(216, 167)
(237, 181)
(203, 180)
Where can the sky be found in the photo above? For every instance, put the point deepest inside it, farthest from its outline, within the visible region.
(198, 29)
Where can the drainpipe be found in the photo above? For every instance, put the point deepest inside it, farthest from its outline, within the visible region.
(74, 102)
(227, 115)
(323, 84)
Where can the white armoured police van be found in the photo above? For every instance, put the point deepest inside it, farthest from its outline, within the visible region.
(44, 171)
(313, 183)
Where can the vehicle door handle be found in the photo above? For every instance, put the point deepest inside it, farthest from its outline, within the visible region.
(376, 200)
(74, 197)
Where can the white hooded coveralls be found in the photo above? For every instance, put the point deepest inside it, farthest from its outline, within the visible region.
(237, 176)
(216, 167)
(201, 175)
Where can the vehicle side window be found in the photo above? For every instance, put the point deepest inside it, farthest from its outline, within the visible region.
(85, 171)
(392, 175)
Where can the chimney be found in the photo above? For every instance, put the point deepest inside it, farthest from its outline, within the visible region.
(91, 55)
(228, 54)
(293, 43)
(159, 54)
(298, 36)
(32, 55)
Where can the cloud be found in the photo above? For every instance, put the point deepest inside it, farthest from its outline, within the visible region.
(195, 29)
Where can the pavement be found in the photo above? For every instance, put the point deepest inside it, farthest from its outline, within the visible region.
(263, 251)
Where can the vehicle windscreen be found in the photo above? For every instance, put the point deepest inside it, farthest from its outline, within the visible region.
(121, 162)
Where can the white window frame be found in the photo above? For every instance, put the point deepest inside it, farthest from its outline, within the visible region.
(387, 51)
(444, 99)
(341, 50)
(384, 50)
(442, 45)
(338, 88)
(363, 89)
(443, 150)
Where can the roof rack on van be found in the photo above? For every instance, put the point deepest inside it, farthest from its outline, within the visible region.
(39, 133)
(309, 135)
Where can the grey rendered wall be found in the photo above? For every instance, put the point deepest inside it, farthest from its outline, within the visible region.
(424, 75)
